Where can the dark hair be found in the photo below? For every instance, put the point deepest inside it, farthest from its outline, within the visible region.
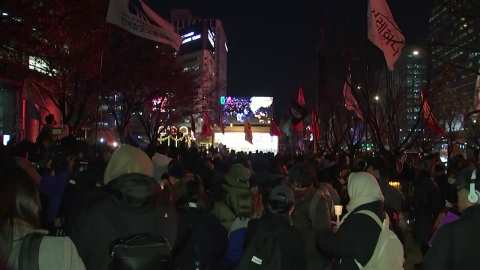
(49, 118)
(280, 207)
(379, 164)
(19, 199)
(301, 175)
(193, 194)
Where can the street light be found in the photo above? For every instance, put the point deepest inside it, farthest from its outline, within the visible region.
(415, 53)
(377, 98)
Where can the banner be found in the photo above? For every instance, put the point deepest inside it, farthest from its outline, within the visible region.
(384, 32)
(137, 18)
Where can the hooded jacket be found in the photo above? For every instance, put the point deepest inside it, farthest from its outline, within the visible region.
(237, 199)
(160, 165)
(130, 207)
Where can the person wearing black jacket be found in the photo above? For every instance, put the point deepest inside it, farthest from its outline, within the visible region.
(456, 244)
(291, 244)
(201, 239)
(130, 206)
(356, 237)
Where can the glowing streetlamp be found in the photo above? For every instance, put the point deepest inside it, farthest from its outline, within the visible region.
(415, 53)
(377, 98)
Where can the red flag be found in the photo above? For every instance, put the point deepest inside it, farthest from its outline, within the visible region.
(301, 102)
(206, 129)
(315, 127)
(432, 122)
(248, 132)
(274, 130)
(192, 120)
(350, 101)
(222, 126)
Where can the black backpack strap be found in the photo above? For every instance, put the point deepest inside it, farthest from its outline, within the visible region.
(28, 258)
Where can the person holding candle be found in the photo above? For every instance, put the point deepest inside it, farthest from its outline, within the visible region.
(356, 236)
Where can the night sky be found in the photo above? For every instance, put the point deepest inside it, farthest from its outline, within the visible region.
(272, 44)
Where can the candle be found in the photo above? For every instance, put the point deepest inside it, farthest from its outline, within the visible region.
(338, 210)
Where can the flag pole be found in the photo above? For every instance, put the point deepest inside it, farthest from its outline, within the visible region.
(366, 88)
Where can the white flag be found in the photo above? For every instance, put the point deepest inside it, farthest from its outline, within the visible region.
(350, 101)
(384, 32)
(138, 19)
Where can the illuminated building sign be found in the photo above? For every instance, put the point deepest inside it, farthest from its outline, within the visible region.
(188, 35)
(226, 48)
(188, 39)
(211, 38)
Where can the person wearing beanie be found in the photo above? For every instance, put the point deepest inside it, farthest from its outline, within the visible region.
(130, 206)
(278, 219)
(456, 244)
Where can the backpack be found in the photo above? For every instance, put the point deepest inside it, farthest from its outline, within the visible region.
(235, 249)
(388, 253)
(28, 257)
(263, 252)
(304, 217)
(140, 251)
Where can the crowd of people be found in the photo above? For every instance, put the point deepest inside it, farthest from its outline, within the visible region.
(195, 209)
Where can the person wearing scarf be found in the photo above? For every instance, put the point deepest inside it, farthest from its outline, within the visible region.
(356, 236)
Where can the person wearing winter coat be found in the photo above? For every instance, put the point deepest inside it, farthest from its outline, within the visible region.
(130, 206)
(201, 237)
(237, 199)
(427, 204)
(292, 247)
(356, 237)
(309, 217)
(20, 203)
(456, 244)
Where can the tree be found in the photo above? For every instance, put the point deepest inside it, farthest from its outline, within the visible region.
(344, 129)
(180, 101)
(62, 43)
(139, 72)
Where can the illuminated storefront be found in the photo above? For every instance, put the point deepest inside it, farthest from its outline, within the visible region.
(262, 141)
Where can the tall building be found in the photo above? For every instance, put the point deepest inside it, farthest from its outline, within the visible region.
(183, 21)
(409, 77)
(455, 45)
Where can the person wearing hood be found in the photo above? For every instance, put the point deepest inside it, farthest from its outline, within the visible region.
(357, 234)
(311, 213)
(237, 199)
(160, 162)
(456, 244)
(131, 206)
(278, 219)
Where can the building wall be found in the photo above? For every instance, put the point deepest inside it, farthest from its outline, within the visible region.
(181, 19)
(459, 32)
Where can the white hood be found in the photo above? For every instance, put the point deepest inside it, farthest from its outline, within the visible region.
(160, 165)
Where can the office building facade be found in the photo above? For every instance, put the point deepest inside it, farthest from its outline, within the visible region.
(454, 42)
(182, 20)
